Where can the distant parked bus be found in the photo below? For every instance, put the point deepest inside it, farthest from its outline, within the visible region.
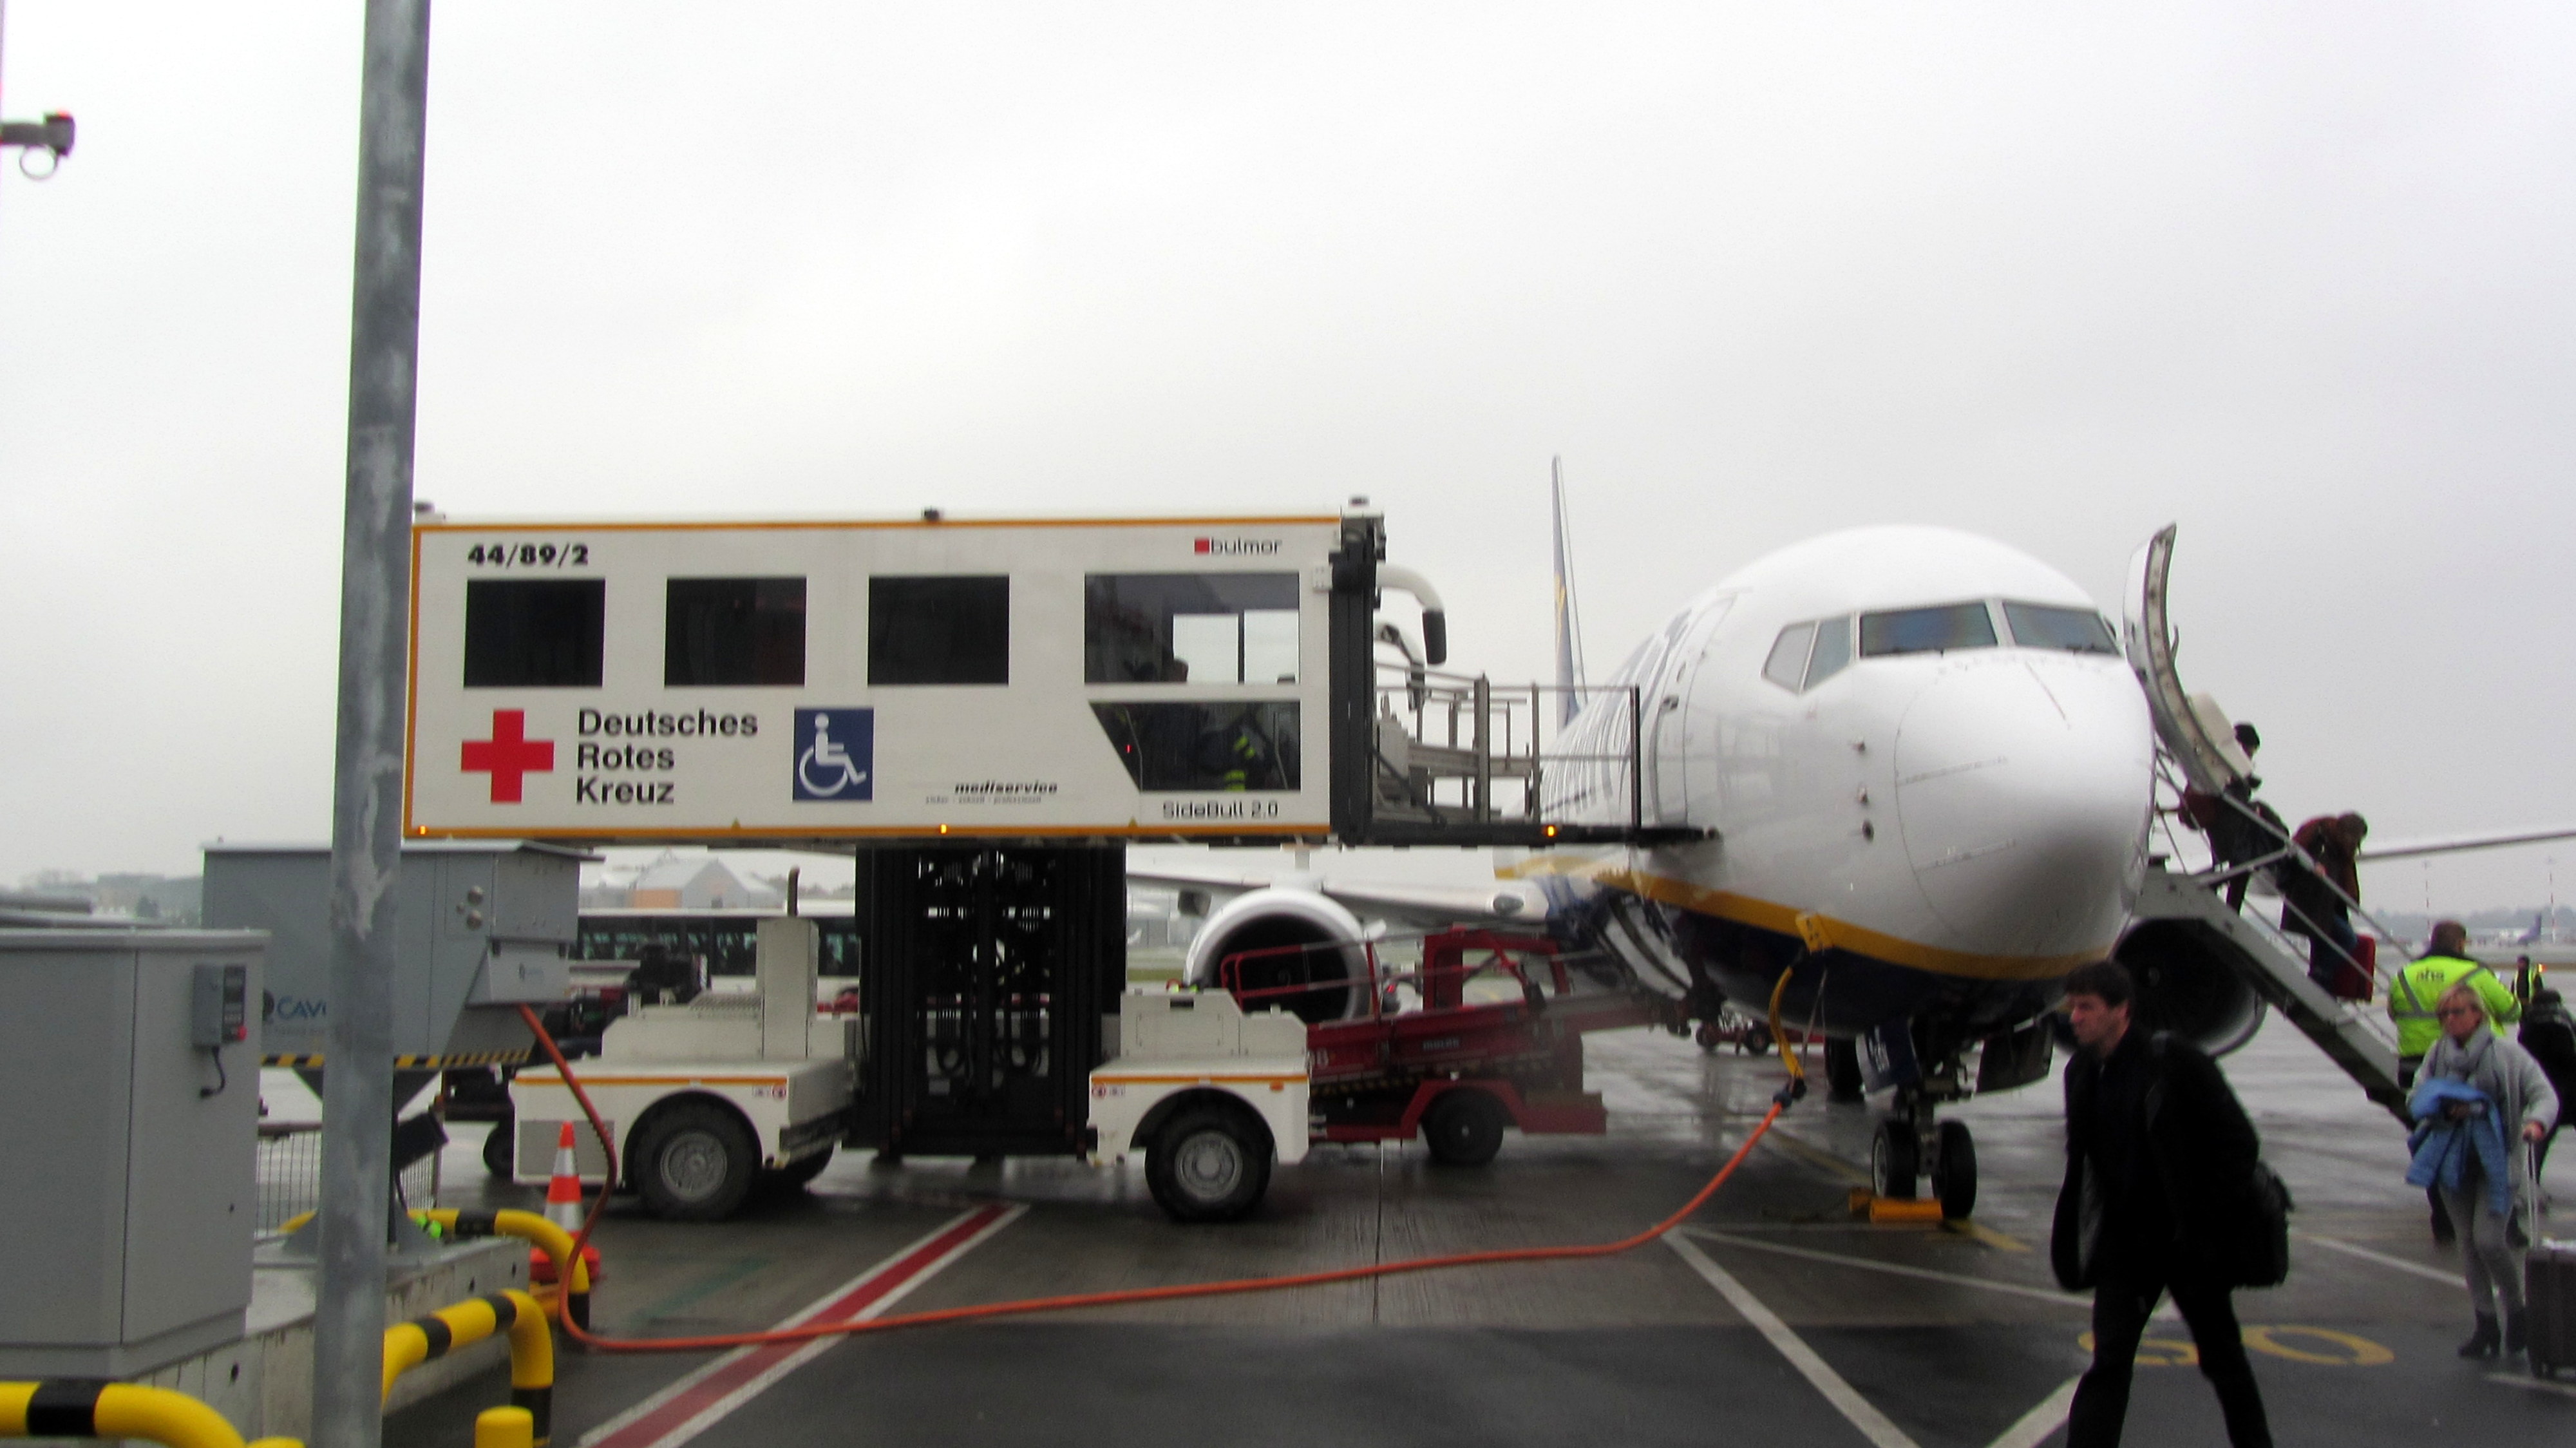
(719, 941)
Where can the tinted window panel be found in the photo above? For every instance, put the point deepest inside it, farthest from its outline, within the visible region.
(2076, 630)
(949, 630)
(720, 631)
(1787, 666)
(1206, 746)
(525, 633)
(1833, 650)
(1926, 630)
(1198, 628)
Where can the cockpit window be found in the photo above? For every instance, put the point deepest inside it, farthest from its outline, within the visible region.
(1926, 630)
(1833, 650)
(2075, 630)
(1787, 666)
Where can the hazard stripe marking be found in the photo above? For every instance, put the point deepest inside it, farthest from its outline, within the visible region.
(699, 1401)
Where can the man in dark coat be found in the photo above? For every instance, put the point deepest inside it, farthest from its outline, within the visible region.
(2158, 1197)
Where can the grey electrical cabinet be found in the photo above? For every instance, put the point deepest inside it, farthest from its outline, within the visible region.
(480, 927)
(127, 1147)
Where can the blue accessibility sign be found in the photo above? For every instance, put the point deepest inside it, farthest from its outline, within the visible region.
(836, 753)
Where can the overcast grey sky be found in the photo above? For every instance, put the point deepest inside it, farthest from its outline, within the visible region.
(2295, 276)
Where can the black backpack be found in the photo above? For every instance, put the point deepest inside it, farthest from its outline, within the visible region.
(2264, 1251)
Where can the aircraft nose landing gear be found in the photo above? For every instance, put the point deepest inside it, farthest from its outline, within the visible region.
(1908, 1140)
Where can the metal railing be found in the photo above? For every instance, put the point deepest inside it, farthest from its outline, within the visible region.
(1465, 750)
(289, 1174)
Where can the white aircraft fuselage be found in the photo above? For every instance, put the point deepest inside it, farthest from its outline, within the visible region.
(1926, 771)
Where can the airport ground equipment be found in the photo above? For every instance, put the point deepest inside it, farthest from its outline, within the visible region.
(89, 1408)
(532, 1348)
(129, 1062)
(810, 681)
(707, 1098)
(1456, 1071)
(484, 926)
(1210, 1095)
(988, 983)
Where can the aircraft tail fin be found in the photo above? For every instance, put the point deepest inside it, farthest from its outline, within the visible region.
(1569, 633)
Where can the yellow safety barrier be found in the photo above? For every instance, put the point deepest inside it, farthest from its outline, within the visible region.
(532, 1348)
(528, 1227)
(88, 1408)
(536, 1231)
(504, 1428)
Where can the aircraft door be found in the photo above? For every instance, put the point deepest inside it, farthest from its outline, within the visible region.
(1681, 748)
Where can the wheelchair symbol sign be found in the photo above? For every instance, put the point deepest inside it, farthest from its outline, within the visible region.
(836, 753)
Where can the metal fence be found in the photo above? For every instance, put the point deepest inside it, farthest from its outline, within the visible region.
(290, 1174)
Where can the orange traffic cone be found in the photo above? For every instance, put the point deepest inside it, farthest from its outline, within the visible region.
(563, 1208)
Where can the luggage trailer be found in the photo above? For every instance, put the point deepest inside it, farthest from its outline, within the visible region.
(1208, 1117)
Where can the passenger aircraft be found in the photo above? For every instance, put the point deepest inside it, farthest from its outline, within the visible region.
(1925, 773)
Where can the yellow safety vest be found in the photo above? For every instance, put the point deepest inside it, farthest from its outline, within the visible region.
(2419, 991)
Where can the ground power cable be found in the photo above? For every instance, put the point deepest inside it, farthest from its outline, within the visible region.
(1789, 1092)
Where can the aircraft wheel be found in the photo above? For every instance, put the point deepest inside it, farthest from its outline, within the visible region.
(1954, 1173)
(498, 1146)
(1709, 1038)
(1843, 1080)
(1892, 1160)
(1208, 1166)
(694, 1162)
(1464, 1128)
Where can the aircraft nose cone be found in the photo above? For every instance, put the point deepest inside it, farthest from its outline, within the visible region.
(2023, 787)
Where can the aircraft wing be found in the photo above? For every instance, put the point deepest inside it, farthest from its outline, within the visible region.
(1502, 903)
(2448, 844)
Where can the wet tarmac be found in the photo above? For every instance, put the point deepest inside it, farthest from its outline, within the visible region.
(1771, 1317)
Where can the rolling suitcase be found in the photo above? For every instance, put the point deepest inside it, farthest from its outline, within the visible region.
(2549, 1294)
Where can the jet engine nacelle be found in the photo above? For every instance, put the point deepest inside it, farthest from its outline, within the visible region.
(1285, 938)
(2190, 982)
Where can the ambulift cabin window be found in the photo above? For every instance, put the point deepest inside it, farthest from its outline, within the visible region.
(734, 631)
(534, 633)
(2075, 630)
(1196, 628)
(941, 630)
(1926, 630)
(1250, 747)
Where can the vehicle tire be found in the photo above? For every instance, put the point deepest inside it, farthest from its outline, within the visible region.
(1709, 1038)
(1208, 1165)
(1954, 1172)
(1464, 1128)
(1892, 1160)
(790, 1179)
(1843, 1081)
(499, 1145)
(694, 1162)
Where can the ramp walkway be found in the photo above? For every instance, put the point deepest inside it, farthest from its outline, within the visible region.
(2357, 1036)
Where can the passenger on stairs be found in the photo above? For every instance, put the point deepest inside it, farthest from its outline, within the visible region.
(2318, 903)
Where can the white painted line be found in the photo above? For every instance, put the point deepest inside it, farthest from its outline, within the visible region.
(2384, 1260)
(2564, 1390)
(2062, 1299)
(2037, 1424)
(706, 1396)
(1872, 1423)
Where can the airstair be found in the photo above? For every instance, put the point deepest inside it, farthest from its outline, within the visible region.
(2357, 1035)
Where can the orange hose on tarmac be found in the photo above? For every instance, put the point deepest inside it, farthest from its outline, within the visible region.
(1779, 1103)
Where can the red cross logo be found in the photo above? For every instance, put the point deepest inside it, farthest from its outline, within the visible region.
(508, 754)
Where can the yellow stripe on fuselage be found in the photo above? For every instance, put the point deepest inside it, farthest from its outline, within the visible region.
(1610, 873)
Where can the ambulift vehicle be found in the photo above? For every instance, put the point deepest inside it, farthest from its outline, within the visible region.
(727, 1092)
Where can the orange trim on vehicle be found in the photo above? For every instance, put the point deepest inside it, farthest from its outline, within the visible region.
(557, 1081)
(819, 525)
(1191, 1080)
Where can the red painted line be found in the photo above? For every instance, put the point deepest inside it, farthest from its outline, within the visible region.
(733, 1374)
